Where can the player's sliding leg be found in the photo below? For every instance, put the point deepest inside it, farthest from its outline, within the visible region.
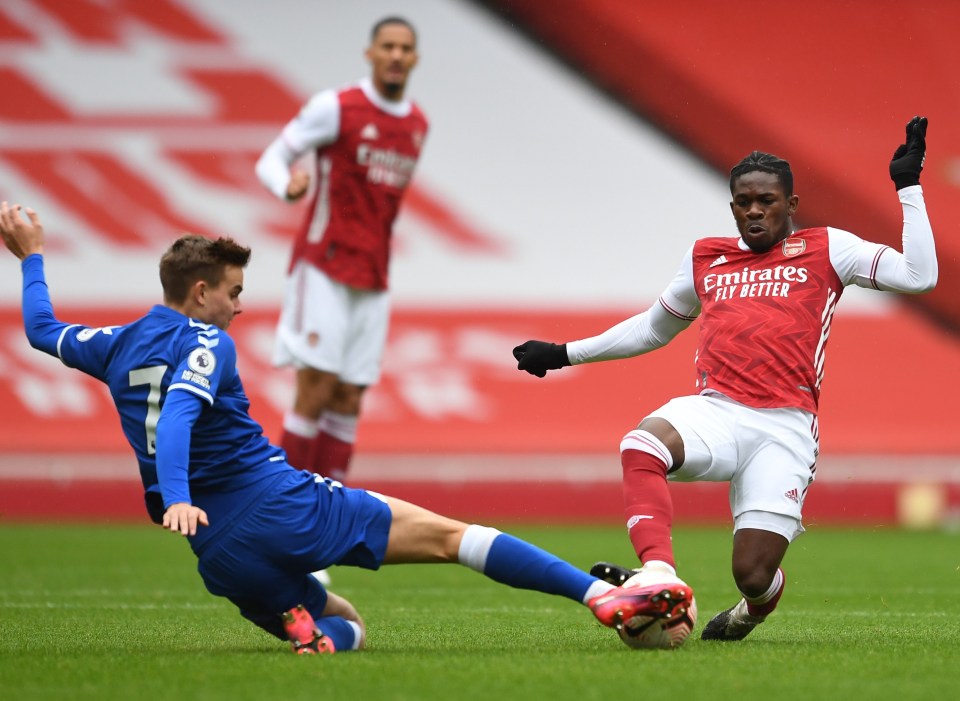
(664, 601)
(419, 535)
(516, 563)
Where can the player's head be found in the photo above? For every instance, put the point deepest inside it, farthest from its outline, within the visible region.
(392, 55)
(763, 203)
(203, 278)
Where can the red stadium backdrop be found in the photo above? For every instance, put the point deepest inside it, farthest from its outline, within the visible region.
(453, 425)
(832, 90)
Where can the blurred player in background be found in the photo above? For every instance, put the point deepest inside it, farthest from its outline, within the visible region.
(336, 307)
(258, 526)
(766, 302)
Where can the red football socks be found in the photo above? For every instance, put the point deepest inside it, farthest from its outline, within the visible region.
(648, 508)
(331, 456)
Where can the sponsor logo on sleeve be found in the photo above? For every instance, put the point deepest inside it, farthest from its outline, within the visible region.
(202, 362)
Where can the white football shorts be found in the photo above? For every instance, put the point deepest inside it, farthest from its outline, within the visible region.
(332, 327)
(767, 455)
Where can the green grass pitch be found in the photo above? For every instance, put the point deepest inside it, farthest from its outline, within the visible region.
(118, 612)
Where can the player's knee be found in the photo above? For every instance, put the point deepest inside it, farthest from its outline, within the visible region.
(346, 399)
(642, 450)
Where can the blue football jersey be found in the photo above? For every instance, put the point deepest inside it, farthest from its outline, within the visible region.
(145, 362)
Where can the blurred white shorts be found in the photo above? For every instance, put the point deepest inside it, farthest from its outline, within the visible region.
(332, 327)
(767, 455)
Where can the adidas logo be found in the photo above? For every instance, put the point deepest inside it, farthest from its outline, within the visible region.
(370, 132)
(719, 261)
(792, 496)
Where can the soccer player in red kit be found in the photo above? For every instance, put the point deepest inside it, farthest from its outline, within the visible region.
(333, 326)
(766, 301)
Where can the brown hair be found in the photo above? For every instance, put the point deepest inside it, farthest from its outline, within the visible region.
(191, 258)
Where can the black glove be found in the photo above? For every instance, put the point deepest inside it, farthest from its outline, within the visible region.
(536, 357)
(908, 158)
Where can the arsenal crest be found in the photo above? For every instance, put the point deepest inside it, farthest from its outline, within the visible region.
(794, 247)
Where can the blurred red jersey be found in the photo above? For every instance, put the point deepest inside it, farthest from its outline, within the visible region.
(361, 178)
(765, 318)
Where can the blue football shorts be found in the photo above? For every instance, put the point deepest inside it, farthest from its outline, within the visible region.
(303, 524)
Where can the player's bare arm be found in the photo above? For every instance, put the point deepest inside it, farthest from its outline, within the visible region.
(22, 237)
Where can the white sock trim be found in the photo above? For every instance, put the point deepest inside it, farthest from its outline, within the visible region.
(646, 442)
(300, 425)
(341, 426)
(357, 635)
(596, 589)
(475, 546)
(768, 595)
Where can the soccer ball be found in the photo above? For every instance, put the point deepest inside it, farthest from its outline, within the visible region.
(645, 632)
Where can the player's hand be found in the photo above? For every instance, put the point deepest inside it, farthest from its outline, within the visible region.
(184, 518)
(908, 159)
(536, 357)
(298, 185)
(21, 230)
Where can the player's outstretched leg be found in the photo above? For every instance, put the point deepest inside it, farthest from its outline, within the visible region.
(419, 535)
(517, 563)
(304, 636)
(665, 601)
(652, 607)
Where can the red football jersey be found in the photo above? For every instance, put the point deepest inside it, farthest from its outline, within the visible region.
(361, 178)
(765, 318)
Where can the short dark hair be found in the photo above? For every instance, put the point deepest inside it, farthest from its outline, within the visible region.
(191, 258)
(767, 163)
(393, 19)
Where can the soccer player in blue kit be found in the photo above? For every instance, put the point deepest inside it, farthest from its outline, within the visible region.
(258, 526)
